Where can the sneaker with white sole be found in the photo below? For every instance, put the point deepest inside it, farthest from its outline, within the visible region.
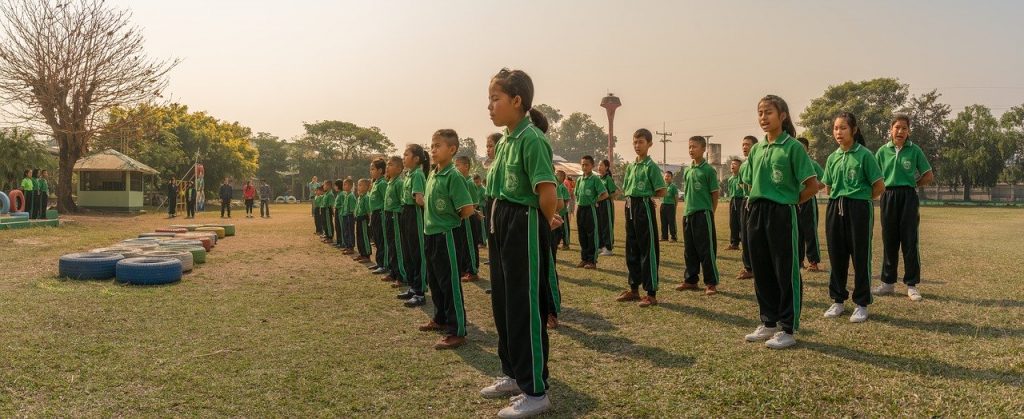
(781, 340)
(914, 294)
(884, 289)
(501, 387)
(835, 310)
(525, 406)
(761, 333)
(860, 314)
(606, 252)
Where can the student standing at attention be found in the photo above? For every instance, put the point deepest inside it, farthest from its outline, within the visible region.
(606, 209)
(362, 220)
(643, 180)
(561, 235)
(468, 255)
(807, 215)
(780, 176)
(747, 272)
(417, 164)
(737, 198)
(378, 188)
(522, 181)
(590, 190)
(668, 209)
(392, 209)
(699, 235)
(905, 169)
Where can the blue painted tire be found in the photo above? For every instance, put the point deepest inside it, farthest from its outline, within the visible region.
(19, 214)
(88, 265)
(5, 203)
(149, 271)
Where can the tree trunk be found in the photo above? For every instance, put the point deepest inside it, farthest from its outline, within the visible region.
(967, 191)
(70, 152)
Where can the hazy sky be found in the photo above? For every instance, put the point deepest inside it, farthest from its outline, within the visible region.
(411, 67)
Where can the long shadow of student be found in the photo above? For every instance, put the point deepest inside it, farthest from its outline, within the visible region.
(598, 338)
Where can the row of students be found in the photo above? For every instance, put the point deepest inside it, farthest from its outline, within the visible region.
(36, 190)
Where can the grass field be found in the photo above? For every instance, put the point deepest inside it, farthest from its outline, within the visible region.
(277, 324)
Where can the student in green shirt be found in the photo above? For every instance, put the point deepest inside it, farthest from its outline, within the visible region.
(449, 204)
(667, 210)
(700, 237)
(312, 187)
(561, 235)
(479, 232)
(606, 209)
(853, 179)
(44, 193)
(780, 176)
(417, 164)
(747, 272)
(336, 205)
(347, 217)
(905, 168)
(327, 207)
(643, 181)
(807, 218)
(522, 182)
(393, 235)
(590, 190)
(361, 217)
(468, 255)
(28, 188)
(737, 198)
(492, 146)
(318, 214)
(375, 204)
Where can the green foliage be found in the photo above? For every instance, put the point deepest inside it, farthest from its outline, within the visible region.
(928, 124)
(975, 150)
(19, 150)
(1012, 123)
(873, 101)
(578, 135)
(273, 160)
(336, 149)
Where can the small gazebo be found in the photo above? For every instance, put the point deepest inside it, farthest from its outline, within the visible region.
(111, 181)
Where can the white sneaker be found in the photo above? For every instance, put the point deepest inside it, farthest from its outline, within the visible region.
(860, 314)
(525, 406)
(835, 310)
(781, 340)
(502, 387)
(761, 333)
(884, 289)
(914, 294)
(606, 252)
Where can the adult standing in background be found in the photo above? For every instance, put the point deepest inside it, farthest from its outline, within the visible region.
(43, 193)
(311, 187)
(190, 199)
(249, 195)
(225, 198)
(172, 198)
(265, 194)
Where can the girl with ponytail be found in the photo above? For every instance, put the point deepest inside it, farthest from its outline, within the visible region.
(781, 176)
(521, 181)
(854, 179)
(410, 224)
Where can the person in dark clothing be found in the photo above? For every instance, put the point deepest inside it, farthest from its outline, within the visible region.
(265, 196)
(190, 199)
(225, 198)
(172, 198)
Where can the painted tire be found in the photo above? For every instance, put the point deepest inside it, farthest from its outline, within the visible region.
(219, 230)
(88, 265)
(187, 227)
(205, 240)
(17, 203)
(156, 235)
(187, 263)
(149, 271)
(174, 230)
(198, 252)
(126, 252)
(19, 214)
(5, 203)
(229, 229)
(143, 244)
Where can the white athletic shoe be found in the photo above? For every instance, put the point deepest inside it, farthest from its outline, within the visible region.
(761, 333)
(502, 387)
(860, 314)
(606, 252)
(781, 340)
(883, 289)
(914, 294)
(835, 310)
(525, 406)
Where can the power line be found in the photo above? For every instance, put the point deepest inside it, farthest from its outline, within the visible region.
(664, 142)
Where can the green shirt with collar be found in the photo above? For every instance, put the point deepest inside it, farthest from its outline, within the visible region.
(777, 170)
(28, 185)
(609, 185)
(328, 200)
(851, 173)
(415, 182)
(700, 181)
(902, 167)
(642, 179)
(474, 193)
(588, 189)
(522, 161)
(736, 187)
(671, 195)
(361, 206)
(393, 195)
(44, 186)
(447, 193)
(376, 195)
(562, 193)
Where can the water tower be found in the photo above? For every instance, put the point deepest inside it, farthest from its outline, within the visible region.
(610, 103)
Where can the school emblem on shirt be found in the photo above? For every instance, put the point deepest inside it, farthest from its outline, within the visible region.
(776, 176)
(641, 185)
(511, 180)
(698, 186)
(440, 204)
(906, 164)
(851, 174)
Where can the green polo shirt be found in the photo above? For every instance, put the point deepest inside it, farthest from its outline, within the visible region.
(851, 173)
(44, 186)
(474, 193)
(642, 179)
(522, 160)
(776, 171)
(671, 195)
(328, 200)
(376, 195)
(348, 204)
(743, 184)
(339, 201)
(562, 193)
(393, 195)
(312, 186)
(415, 182)
(700, 181)
(904, 166)
(481, 192)
(28, 185)
(736, 187)
(318, 200)
(360, 206)
(588, 189)
(609, 185)
(818, 171)
(447, 193)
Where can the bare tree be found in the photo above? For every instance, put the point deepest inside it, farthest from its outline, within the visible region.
(65, 64)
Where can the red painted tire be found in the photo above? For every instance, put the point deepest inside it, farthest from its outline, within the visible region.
(17, 200)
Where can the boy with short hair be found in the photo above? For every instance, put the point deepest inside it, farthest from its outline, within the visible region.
(590, 190)
(468, 255)
(737, 197)
(361, 217)
(699, 236)
(748, 271)
(561, 235)
(668, 209)
(807, 221)
(347, 217)
(642, 182)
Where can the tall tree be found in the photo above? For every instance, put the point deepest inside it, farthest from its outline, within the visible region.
(467, 147)
(928, 117)
(273, 160)
(19, 150)
(973, 153)
(1012, 123)
(579, 135)
(63, 65)
(554, 117)
(337, 149)
(873, 101)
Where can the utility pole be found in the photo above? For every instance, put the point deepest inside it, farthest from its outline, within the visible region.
(707, 140)
(664, 143)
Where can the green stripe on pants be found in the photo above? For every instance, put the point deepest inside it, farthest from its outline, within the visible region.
(470, 245)
(398, 249)
(423, 255)
(652, 257)
(536, 340)
(711, 242)
(795, 269)
(453, 273)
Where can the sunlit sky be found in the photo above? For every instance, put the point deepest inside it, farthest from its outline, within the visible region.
(411, 67)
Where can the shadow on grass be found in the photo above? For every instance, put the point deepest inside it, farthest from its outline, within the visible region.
(590, 283)
(569, 402)
(710, 315)
(621, 346)
(950, 328)
(923, 367)
(996, 303)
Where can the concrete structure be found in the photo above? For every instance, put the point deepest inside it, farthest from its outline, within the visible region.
(111, 181)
